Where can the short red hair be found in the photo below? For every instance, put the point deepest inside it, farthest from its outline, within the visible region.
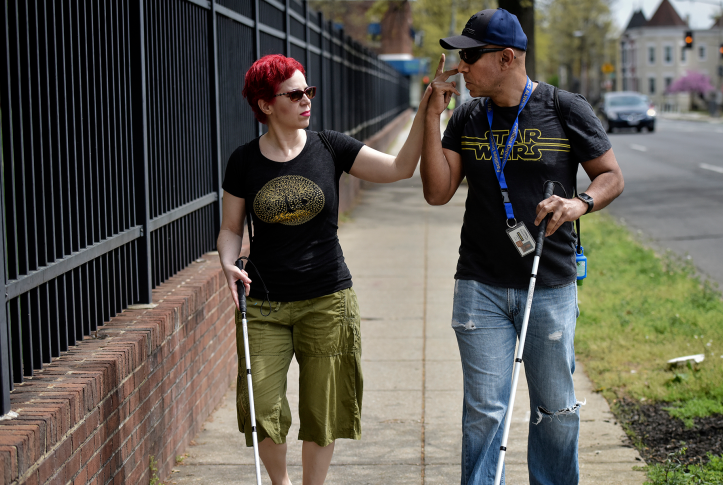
(264, 77)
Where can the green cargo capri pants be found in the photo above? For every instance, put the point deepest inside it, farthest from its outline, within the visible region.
(324, 334)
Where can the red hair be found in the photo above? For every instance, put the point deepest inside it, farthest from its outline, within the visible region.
(264, 77)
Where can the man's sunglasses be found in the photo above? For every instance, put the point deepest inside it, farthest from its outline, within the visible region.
(297, 94)
(470, 56)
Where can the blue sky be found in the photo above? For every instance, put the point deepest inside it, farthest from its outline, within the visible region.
(700, 12)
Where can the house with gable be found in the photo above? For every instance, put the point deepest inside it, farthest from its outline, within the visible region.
(653, 55)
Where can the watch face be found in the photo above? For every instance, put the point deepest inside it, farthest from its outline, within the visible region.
(587, 199)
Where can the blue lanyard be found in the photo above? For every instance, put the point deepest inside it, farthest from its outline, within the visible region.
(500, 165)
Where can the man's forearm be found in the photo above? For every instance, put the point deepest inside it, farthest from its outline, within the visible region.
(605, 188)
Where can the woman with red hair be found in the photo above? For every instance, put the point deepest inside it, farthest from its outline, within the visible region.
(301, 302)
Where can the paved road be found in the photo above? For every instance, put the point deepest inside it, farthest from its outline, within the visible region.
(674, 189)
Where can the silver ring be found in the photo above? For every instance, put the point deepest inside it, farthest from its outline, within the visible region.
(513, 225)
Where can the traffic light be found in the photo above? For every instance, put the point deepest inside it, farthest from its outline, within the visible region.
(720, 49)
(688, 39)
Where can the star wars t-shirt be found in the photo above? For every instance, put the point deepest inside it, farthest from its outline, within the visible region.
(295, 210)
(541, 152)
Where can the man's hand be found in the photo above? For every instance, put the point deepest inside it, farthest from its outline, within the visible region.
(441, 90)
(562, 210)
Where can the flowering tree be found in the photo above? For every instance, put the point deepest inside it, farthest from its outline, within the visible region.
(692, 82)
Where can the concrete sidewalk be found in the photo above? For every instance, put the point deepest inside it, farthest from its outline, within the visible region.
(692, 116)
(402, 254)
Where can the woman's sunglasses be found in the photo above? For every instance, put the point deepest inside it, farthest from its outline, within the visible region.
(470, 56)
(297, 94)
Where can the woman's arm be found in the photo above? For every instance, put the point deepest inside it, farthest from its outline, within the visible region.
(230, 240)
(375, 166)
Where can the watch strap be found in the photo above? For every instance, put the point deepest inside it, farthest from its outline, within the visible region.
(588, 200)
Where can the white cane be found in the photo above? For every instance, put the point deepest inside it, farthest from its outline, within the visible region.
(242, 305)
(549, 187)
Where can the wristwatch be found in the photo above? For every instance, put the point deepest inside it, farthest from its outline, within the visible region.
(588, 200)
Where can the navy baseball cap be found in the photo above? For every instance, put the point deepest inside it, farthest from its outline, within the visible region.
(496, 27)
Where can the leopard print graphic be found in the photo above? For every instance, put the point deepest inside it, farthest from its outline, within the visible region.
(291, 200)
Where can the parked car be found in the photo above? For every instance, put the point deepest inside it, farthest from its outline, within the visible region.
(624, 109)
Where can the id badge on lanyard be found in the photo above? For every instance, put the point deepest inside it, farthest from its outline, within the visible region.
(517, 232)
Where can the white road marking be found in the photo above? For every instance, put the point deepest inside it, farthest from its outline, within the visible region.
(712, 168)
(527, 417)
(639, 148)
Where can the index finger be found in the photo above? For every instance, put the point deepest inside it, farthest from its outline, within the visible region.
(447, 74)
(440, 66)
(542, 212)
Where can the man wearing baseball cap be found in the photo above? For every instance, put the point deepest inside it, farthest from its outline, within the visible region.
(507, 145)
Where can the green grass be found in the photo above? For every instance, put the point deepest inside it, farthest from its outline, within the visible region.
(673, 472)
(637, 311)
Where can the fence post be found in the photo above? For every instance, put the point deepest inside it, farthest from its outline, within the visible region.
(215, 115)
(257, 52)
(307, 39)
(5, 127)
(140, 152)
(5, 379)
(322, 80)
(287, 27)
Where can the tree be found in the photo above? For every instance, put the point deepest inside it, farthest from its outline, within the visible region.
(579, 36)
(437, 18)
(525, 12)
(692, 82)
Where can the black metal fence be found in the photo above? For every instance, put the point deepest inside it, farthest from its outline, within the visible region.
(117, 121)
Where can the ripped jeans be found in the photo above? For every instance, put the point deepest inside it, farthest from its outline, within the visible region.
(487, 321)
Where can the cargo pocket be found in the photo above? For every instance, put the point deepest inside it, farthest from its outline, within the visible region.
(352, 320)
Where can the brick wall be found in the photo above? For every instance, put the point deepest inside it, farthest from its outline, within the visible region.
(142, 386)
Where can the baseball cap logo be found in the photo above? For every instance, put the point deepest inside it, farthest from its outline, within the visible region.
(468, 31)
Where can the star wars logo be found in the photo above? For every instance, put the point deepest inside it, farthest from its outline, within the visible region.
(529, 145)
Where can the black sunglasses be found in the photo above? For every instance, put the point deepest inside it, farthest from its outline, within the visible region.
(470, 56)
(297, 94)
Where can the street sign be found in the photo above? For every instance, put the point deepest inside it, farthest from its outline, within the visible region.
(607, 68)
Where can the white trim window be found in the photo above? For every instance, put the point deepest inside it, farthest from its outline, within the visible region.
(668, 54)
(651, 55)
(668, 80)
(702, 52)
(683, 55)
(651, 85)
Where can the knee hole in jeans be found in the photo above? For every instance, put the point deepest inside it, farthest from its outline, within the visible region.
(542, 412)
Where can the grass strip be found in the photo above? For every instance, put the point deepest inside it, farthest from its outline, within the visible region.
(638, 309)
(675, 472)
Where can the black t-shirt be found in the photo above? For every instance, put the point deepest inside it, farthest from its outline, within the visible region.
(295, 210)
(541, 152)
